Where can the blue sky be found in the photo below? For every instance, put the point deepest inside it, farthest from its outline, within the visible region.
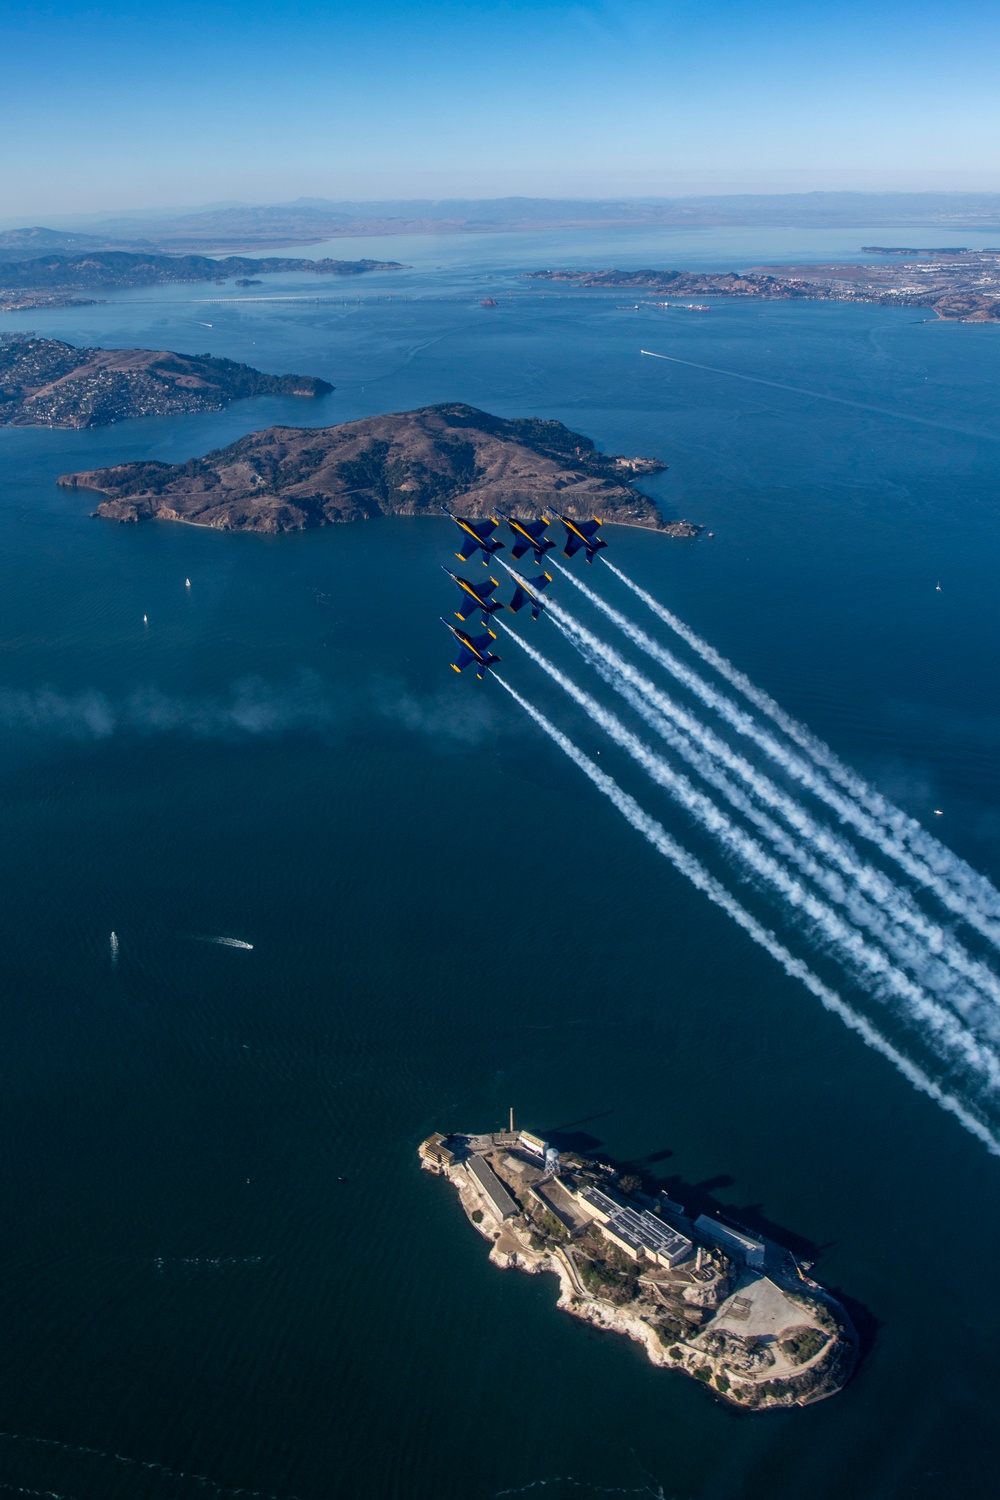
(112, 105)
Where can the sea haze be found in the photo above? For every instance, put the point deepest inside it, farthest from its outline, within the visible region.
(223, 1269)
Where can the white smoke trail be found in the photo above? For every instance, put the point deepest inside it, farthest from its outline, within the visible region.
(861, 956)
(940, 945)
(940, 858)
(695, 872)
(963, 903)
(926, 966)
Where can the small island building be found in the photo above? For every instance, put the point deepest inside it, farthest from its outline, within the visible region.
(436, 1153)
(744, 1247)
(533, 1144)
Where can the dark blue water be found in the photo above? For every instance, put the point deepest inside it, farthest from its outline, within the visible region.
(446, 919)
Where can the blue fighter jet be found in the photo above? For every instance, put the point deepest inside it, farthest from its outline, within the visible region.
(478, 537)
(528, 591)
(472, 650)
(530, 537)
(476, 597)
(582, 534)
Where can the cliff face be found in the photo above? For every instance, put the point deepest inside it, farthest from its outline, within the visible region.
(44, 382)
(408, 463)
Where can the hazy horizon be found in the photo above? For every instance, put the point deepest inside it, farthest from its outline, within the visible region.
(939, 213)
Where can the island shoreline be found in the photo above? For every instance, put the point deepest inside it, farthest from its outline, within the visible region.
(735, 1312)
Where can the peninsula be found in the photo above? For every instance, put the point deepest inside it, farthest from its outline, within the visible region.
(56, 280)
(404, 464)
(46, 383)
(728, 1308)
(958, 284)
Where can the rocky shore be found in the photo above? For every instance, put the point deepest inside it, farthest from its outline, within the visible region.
(738, 1314)
(405, 464)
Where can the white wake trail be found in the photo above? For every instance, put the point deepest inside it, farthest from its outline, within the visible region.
(939, 857)
(889, 981)
(925, 966)
(656, 706)
(963, 905)
(692, 870)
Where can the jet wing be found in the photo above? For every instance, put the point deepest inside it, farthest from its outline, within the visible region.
(482, 529)
(470, 607)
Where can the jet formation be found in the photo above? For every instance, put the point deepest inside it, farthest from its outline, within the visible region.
(478, 598)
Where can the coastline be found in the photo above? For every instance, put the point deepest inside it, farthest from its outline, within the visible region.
(759, 1336)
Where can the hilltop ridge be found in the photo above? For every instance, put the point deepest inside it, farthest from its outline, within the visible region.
(47, 383)
(404, 463)
(52, 279)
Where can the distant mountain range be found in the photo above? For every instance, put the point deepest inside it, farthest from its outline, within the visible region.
(308, 220)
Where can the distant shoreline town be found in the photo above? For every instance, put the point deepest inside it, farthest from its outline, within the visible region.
(48, 383)
(959, 284)
(735, 1311)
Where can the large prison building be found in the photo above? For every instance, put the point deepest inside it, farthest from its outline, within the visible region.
(637, 1233)
(492, 1188)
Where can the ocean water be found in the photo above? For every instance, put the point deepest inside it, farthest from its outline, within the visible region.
(222, 1269)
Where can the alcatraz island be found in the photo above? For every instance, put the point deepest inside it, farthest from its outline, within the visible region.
(728, 1308)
